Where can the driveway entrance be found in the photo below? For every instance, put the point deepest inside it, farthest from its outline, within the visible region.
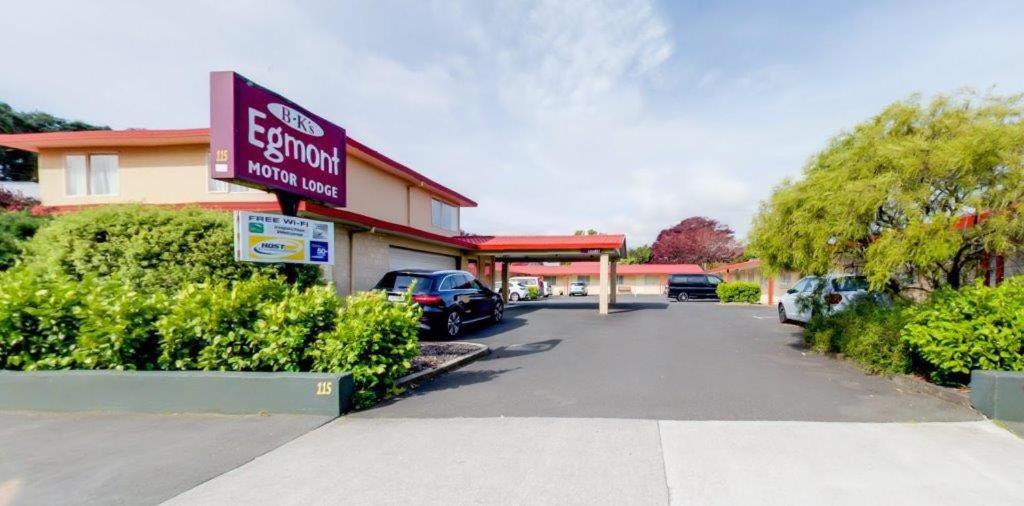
(656, 359)
(658, 403)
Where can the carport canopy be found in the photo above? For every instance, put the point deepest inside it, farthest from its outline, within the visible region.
(607, 249)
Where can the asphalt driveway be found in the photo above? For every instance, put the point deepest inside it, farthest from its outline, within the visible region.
(658, 403)
(656, 359)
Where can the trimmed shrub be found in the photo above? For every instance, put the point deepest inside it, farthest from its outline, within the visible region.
(739, 291)
(977, 327)
(118, 328)
(15, 227)
(375, 339)
(153, 248)
(278, 337)
(39, 319)
(532, 292)
(867, 331)
(210, 325)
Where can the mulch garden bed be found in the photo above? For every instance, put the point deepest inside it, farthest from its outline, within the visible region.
(434, 355)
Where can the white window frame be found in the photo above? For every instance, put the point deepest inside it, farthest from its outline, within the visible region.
(441, 222)
(88, 174)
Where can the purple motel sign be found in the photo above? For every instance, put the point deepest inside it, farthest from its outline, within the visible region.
(261, 139)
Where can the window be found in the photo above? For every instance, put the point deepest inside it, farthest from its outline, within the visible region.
(444, 215)
(90, 175)
(463, 282)
(218, 186)
(619, 280)
(583, 279)
(449, 282)
(401, 283)
(714, 280)
(850, 283)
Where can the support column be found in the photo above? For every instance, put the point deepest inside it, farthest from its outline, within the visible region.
(613, 296)
(603, 285)
(504, 281)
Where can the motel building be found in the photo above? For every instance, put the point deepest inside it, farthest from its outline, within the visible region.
(394, 217)
(644, 279)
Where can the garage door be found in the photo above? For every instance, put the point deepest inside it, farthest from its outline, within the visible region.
(401, 258)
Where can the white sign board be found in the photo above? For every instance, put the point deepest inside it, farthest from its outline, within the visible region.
(261, 237)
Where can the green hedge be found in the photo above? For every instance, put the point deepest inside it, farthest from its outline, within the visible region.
(866, 331)
(739, 291)
(153, 248)
(375, 340)
(15, 228)
(260, 324)
(976, 327)
(144, 288)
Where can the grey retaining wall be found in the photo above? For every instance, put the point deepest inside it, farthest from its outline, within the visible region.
(999, 395)
(176, 391)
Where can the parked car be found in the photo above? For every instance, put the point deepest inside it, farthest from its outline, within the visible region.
(530, 281)
(516, 291)
(450, 299)
(834, 292)
(683, 287)
(577, 288)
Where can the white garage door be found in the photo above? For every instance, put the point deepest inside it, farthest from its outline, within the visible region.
(401, 258)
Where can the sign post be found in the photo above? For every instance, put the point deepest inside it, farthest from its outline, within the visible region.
(261, 139)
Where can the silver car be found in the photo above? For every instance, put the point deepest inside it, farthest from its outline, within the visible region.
(577, 288)
(834, 292)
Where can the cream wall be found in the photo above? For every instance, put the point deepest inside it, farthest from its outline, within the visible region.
(152, 175)
(637, 284)
(179, 174)
(780, 282)
(371, 258)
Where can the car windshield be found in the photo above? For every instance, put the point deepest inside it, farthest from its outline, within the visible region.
(403, 282)
(850, 283)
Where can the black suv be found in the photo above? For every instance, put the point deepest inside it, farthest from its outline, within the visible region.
(450, 299)
(683, 287)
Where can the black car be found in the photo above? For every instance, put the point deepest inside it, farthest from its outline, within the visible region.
(450, 299)
(683, 287)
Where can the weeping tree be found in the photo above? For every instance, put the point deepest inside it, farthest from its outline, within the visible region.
(916, 196)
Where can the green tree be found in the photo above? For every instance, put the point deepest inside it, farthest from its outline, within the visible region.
(18, 165)
(637, 255)
(919, 192)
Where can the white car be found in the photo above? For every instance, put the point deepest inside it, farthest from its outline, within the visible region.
(529, 281)
(516, 291)
(836, 291)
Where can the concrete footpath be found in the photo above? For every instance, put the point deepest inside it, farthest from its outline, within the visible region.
(622, 461)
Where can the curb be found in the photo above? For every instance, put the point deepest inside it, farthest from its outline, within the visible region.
(226, 392)
(482, 349)
(959, 396)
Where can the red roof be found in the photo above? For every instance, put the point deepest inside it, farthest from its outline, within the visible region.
(105, 138)
(546, 242)
(181, 137)
(593, 268)
(754, 262)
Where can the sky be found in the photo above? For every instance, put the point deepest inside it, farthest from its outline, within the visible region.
(621, 116)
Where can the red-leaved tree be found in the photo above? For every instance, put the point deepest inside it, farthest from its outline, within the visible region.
(696, 240)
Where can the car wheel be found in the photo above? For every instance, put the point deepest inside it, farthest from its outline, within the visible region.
(782, 314)
(499, 312)
(682, 297)
(453, 325)
(513, 297)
